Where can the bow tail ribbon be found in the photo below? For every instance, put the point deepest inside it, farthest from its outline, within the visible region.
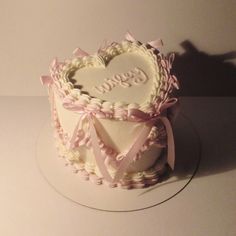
(170, 142)
(139, 142)
(95, 144)
(97, 151)
(133, 150)
(78, 126)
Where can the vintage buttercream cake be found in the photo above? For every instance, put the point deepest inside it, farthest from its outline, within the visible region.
(110, 112)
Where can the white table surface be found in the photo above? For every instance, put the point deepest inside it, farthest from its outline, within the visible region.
(29, 206)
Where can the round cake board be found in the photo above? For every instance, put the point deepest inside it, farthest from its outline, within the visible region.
(101, 197)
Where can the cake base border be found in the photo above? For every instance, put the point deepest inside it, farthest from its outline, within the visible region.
(101, 197)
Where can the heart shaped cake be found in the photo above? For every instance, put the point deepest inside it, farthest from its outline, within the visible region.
(110, 112)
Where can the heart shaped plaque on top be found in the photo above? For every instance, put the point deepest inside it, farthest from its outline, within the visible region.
(120, 73)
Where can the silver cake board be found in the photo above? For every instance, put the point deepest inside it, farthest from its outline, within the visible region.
(101, 197)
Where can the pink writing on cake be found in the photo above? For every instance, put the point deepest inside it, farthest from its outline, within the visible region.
(133, 77)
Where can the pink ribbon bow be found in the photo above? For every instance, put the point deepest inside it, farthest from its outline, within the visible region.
(134, 115)
(128, 157)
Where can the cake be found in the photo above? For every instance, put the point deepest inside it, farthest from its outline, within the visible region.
(110, 111)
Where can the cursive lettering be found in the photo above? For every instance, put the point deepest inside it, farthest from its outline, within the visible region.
(133, 77)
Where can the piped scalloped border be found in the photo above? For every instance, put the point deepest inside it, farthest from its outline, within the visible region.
(163, 81)
(90, 172)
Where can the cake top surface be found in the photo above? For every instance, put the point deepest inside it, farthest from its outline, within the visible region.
(124, 72)
(122, 75)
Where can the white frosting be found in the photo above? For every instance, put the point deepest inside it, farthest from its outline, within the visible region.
(116, 134)
(131, 67)
(120, 81)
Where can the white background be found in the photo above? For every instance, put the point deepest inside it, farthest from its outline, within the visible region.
(34, 32)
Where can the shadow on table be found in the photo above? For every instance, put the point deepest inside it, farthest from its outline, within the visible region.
(202, 74)
(211, 147)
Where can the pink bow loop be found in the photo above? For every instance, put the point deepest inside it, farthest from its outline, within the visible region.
(155, 43)
(138, 115)
(46, 80)
(78, 52)
(168, 103)
(129, 37)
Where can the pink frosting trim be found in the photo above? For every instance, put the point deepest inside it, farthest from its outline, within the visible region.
(140, 180)
(134, 115)
(169, 82)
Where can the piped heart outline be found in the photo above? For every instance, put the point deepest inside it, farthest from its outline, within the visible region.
(101, 59)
